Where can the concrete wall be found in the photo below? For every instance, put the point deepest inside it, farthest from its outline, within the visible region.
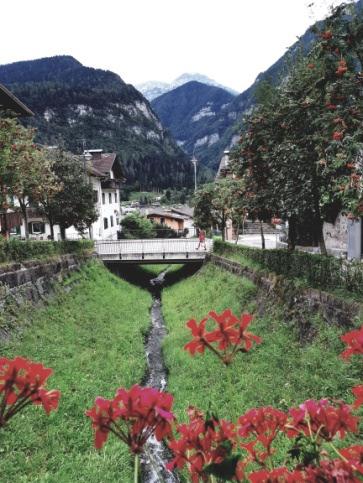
(336, 235)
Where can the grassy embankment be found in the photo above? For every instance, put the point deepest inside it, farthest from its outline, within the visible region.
(93, 340)
(279, 372)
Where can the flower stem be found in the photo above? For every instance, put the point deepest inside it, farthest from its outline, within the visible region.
(136, 469)
(338, 453)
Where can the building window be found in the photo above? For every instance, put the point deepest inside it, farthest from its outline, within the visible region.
(117, 220)
(103, 198)
(15, 231)
(36, 228)
(111, 220)
(162, 221)
(95, 196)
(105, 223)
(110, 198)
(115, 197)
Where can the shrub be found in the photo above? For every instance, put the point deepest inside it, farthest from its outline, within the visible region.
(14, 250)
(319, 271)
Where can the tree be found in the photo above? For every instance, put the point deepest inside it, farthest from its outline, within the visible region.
(299, 154)
(73, 204)
(216, 202)
(32, 175)
(135, 226)
(15, 141)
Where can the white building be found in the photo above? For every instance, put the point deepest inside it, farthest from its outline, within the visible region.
(105, 174)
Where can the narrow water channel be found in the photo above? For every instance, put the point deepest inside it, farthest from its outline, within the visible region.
(156, 455)
(153, 462)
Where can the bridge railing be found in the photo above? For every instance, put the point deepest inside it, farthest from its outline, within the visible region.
(153, 246)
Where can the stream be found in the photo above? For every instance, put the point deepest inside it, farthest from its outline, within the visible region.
(156, 454)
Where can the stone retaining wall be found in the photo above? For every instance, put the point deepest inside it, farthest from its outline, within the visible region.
(32, 281)
(299, 304)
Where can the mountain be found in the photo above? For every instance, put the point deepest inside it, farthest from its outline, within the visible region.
(77, 106)
(193, 113)
(153, 89)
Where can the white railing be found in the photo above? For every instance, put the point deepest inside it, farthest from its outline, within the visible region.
(162, 247)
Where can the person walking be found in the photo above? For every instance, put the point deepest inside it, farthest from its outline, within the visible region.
(201, 237)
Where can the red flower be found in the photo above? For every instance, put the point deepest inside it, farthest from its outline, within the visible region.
(278, 475)
(226, 332)
(354, 341)
(262, 423)
(133, 416)
(198, 331)
(22, 383)
(342, 67)
(327, 35)
(322, 418)
(245, 338)
(230, 335)
(358, 393)
(354, 455)
(102, 415)
(201, 443)
(332, 471)
(337, 135)
(311, 66)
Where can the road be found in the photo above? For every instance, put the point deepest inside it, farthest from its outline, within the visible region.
(255, 240)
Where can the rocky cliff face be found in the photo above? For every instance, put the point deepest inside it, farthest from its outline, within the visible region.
(194, 114)
(78, 106)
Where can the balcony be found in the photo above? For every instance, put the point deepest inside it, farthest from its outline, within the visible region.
(110, 184)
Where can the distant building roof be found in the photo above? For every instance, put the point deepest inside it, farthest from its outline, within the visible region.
(164, 214)
(184, 211)
(10, 102)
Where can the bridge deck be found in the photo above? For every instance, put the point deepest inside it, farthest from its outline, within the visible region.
(178, 250)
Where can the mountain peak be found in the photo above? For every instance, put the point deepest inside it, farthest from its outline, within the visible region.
(153, 89)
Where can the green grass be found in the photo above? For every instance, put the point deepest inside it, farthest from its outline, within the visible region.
(93, 340)
(279, 372)
(136, 195)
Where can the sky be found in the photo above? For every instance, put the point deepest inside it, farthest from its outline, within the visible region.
(230, 41)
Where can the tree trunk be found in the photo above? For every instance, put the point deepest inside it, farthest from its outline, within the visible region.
(4, 208)
(322, 245)
(62, 232)
(237, 233)
(25, 216)
(262, 236)
(292, 234)
(223, 227)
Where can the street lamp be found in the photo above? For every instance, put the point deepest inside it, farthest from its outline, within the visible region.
(194, 162)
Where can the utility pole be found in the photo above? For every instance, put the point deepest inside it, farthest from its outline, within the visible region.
(194, 162)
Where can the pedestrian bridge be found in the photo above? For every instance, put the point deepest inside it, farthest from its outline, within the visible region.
(179, 250)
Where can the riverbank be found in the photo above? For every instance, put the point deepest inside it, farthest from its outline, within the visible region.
(280, 372)
(93, 339)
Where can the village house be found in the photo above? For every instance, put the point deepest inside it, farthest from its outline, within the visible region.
(167, 218)
(105, 174)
